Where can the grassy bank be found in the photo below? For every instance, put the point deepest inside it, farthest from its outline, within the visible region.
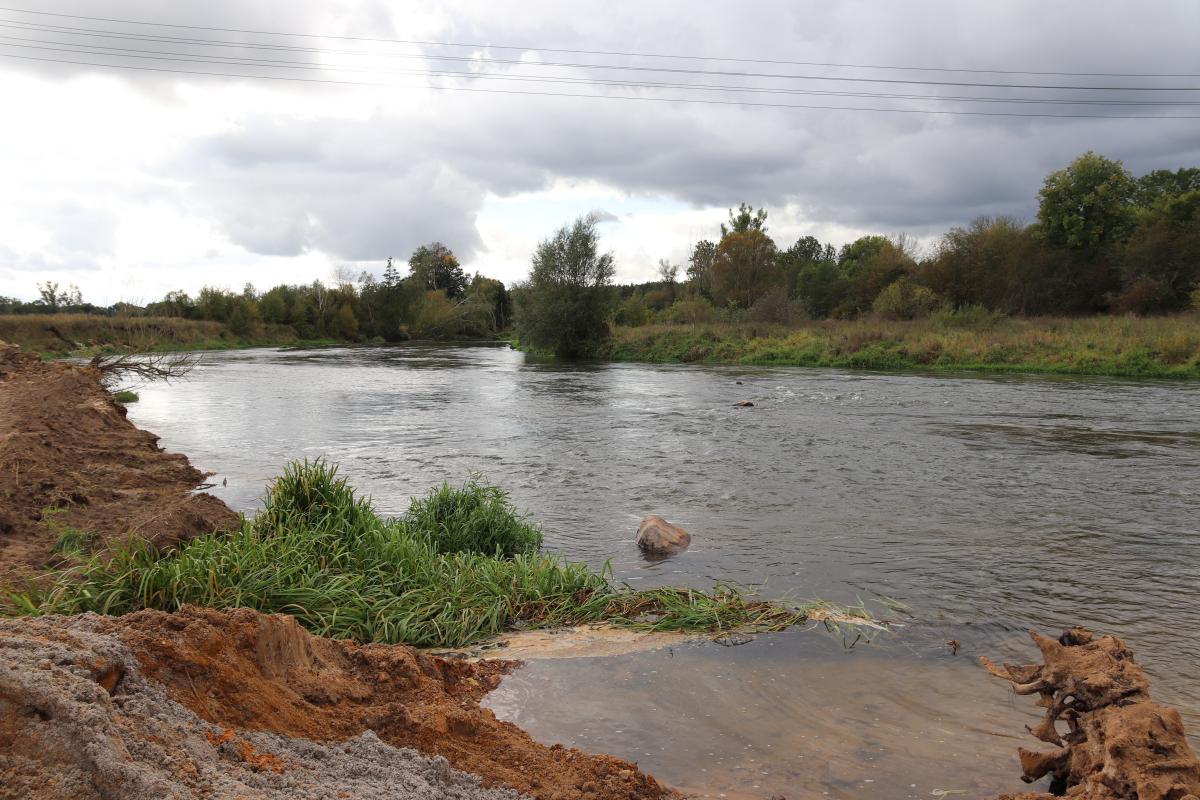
(1160, 347)
(461, 565)
(86, 334)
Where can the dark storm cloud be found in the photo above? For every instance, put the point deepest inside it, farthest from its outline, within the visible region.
(359, 189)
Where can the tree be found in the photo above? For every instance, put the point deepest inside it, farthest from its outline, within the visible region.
(1086, 208)
(1162, 184)
(667, 272)
(994, 262)
(564, 306)
(746, 219)
(744, 268)
(434, 266)
(870, 264)
(347, 323)
(700, 263)
(1161, 262)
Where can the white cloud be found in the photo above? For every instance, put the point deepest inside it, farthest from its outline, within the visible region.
(135, 183)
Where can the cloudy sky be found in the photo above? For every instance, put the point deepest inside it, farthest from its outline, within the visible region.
(133, 182)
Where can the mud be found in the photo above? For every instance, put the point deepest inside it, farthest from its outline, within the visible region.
(69, 459)
(1118, 743)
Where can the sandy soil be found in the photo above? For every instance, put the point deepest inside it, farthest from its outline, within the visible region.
(214, 703)
(70, 459)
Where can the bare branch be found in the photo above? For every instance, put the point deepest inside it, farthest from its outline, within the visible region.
(145, 367)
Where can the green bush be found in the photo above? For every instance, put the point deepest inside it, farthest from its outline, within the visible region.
(125, 396)
(904, 299)
(476, 518)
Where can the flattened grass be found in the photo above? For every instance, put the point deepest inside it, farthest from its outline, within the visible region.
(460, 566)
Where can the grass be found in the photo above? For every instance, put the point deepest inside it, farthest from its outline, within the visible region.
(1146, 347)
(88, 334)
(125, 396)
(460, 566)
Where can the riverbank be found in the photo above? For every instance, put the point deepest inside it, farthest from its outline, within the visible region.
(1143, 347)
(56, 335)
(203, 701)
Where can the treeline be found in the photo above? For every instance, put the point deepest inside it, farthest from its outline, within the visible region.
(434, 300)
(1103, 242)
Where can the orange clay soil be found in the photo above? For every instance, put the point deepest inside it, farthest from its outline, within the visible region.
(66, 445)
(1118, 743)
(244, 670)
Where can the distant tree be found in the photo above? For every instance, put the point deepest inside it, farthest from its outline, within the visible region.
(1160, 264)
(51, 296)
(745, 219)
(1086, 208)
(667, 272)
(1162, 184)
(744, 268)
(870, 264)
(434, 266)
(801, 257)
(347, 322)
(993, 262)
(564, 306)
(700, 263)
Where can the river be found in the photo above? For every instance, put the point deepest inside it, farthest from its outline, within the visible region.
(968, 508)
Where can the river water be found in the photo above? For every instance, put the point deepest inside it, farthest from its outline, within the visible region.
(984, 505)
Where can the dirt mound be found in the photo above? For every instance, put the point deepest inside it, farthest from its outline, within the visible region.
(251, 674)
(1119, 744)
(79, 720)
(69, 459)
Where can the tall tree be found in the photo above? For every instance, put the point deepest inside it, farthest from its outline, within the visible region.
(1087, 208)
(434, 266)
(564, 306)
(744, 268)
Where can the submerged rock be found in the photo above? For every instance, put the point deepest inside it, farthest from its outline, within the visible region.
(743, 404)
(656, 535)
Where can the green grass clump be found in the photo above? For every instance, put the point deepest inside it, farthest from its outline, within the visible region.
(125, 396)
(459, 567)
(476, 518)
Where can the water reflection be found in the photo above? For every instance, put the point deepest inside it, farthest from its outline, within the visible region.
(988, 506)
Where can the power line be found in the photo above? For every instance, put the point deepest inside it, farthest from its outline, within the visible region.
(175, 56)
(121, 52)
(701, 101)
(424, 42)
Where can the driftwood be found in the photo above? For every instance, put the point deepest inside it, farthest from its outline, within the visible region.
(1118, 743)
(145, 367)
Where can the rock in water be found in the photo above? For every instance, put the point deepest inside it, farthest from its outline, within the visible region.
(743, 404)
(656, 535)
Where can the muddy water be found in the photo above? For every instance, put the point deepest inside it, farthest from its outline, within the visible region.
(985, 505)
(794, 714)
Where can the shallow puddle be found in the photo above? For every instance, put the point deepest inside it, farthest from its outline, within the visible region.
(793, 714)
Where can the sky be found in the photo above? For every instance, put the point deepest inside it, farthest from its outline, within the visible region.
(131, 183)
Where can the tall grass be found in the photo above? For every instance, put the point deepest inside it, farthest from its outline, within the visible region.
(79, 334)
(972, 339)
(459, 567)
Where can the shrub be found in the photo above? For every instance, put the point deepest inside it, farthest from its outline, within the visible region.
(973, 315)
(904, 299)
(125, 396)
(476, 518)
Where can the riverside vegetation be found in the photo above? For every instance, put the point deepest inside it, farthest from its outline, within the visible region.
(460, 566)
(1105, 281)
